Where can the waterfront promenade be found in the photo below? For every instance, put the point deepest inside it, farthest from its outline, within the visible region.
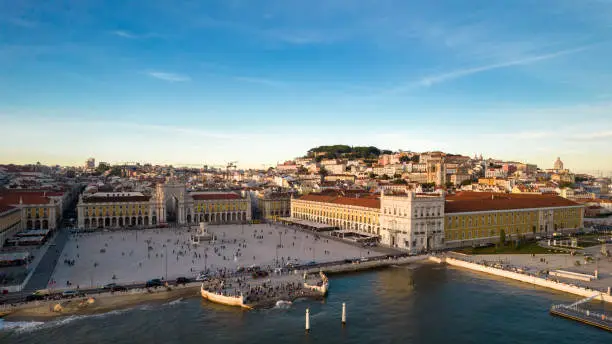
(522, 274)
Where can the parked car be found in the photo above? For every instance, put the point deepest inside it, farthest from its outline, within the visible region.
(117, 288)
(202, 277)
(34, 297)
(108, 286)
(156, 282)
(182, 280)
(71, 293)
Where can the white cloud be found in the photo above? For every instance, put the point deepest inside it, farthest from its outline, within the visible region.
(435, 79)
(124, 34)
(598, 135)
(260, 81)
(170, 77)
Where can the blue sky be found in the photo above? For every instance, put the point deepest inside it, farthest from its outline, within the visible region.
(262, 81)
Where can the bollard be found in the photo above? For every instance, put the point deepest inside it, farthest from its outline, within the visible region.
(343, 313)
(307, 320)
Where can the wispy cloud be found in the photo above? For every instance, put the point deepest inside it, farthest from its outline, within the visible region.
(170, 77)
(435, 79)
(526, 135)
(260, 81)
(124, 34)
(131, 35)
(598, 135)
(302, 37)
(23, 22)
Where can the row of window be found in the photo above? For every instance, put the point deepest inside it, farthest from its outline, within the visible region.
(418, 211)
(344, 214)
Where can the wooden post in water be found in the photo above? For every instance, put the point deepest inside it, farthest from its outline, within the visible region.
(307, 320)
(343, 313)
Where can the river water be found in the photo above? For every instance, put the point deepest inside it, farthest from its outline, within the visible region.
(408, 304)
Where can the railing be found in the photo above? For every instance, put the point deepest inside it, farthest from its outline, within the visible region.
(585, 312)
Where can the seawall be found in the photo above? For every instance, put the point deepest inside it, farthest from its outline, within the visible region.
(236, 301)
(560, 286)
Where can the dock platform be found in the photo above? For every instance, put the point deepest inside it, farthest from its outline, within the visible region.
(599, 320)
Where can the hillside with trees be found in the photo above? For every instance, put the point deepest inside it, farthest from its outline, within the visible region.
(344, 151)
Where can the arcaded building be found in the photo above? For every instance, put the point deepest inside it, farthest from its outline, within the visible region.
(474, 218)
(425, 222)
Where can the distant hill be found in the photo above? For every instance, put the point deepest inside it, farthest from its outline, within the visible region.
(344, 151)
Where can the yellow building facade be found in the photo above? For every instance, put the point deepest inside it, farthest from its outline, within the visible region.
(358, 214)
(116, 210)
(525, 215)
(10, 222)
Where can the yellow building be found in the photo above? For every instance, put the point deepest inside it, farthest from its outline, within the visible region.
(478, 217)
(38, 211)
(358, 214)
(421, 222)
(116, 210)
(10, 222)
(216, 207)
(274, 205)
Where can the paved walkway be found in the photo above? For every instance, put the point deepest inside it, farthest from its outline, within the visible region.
(42, 272)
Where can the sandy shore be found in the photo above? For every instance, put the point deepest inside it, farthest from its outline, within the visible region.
(102, 303)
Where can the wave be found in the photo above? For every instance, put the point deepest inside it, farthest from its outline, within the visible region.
(282, 304)
(29, 326)
(174, 302)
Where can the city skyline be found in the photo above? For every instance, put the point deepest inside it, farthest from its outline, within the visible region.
(260, 84)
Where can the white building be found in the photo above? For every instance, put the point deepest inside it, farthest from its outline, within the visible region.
(412, 221)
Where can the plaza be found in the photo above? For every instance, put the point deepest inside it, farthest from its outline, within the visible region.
(132, 256)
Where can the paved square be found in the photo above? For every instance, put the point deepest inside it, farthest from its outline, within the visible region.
(139, 255)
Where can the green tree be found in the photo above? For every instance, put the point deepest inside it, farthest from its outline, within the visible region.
(397, 175)
(102, 167)
(466, 182)
(405, 158)
(416, 159)
(399, 181)
(302, 170)
(373, 175)
(385, 177)
(323, 172)
(449, 185)
(502, 237)
(115, 171)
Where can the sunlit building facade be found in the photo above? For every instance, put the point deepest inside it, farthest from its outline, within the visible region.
(474, 218)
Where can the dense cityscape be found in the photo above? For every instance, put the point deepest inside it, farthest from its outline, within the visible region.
(321, 171)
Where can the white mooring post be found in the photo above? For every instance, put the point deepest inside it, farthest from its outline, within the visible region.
(343, 313)
(307, 320)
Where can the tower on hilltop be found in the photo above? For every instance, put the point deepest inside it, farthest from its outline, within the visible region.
(558, 164)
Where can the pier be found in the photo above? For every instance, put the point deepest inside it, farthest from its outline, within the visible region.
(585, 316)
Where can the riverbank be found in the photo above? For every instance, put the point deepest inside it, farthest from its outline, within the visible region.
(103, 303)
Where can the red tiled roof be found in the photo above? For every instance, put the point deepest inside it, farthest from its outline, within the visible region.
(35, 192)
(117, 198)
(360, 202)
(4, 208)
(211, 196)
(9, 198)
(486, 201)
